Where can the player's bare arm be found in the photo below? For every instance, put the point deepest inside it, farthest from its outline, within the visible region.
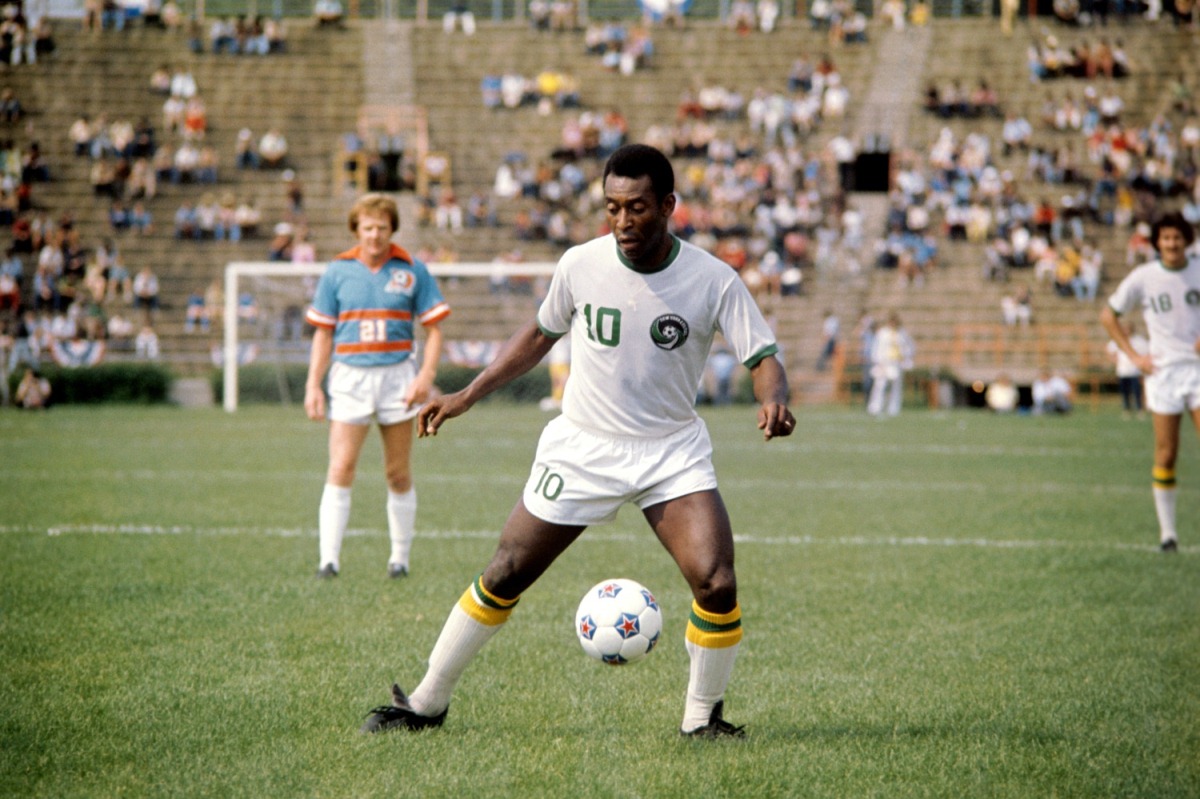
(318, 364)
(422, 385)
(524, 350)
(771, 390)
(1112, 324)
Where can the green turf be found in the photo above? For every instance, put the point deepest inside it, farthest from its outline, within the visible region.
(944, 605)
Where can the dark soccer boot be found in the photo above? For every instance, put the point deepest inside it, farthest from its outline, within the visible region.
(399, 715)
(716, 727)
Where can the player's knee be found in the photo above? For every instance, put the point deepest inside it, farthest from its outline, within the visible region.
(399, 480)
(718, 593)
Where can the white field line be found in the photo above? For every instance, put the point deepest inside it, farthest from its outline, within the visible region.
(729, 482)
(744, 540)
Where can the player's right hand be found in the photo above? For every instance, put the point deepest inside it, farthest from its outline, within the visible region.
(436, 411)
(314, 404)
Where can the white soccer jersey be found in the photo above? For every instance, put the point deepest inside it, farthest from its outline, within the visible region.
(640, 341)
(1170, 303)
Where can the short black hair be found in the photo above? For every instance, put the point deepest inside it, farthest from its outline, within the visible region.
(1174, 220)
(637, 160)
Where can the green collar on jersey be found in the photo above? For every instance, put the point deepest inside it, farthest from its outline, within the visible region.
(675, 248)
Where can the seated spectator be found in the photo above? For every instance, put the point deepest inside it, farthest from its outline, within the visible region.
(195, 316)
(81, 134)
(33, 392)
(186, 226)
(118, 216)
(328, 13)
(145, 290)
(768, 15)
(207, 211)
(183, 84)
(1001, 395)
(1017, 308)
(195, 119)
(227, 226)
(145, 345)
(11, 109)
(222, 36)
(187, 159)
(273, 148)
(248, 217)
(280, 248)
(459, 15)
(103, 177)
(140, 220)
(539, 14)
(275, 31)
(1051, 393)
(43, 43)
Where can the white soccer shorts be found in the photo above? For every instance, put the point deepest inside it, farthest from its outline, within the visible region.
(358, 393)
(1174, 389)
(581, 477)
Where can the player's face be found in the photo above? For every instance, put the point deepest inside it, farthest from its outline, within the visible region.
(374, 237)
(1172, 247)
(638, 220)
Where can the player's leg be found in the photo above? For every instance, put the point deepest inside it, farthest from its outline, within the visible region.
(528, 545)
(696, 531)
(401, 494)
(345, 444)
(1166, 451)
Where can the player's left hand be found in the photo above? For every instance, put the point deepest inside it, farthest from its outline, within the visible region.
(774, 419)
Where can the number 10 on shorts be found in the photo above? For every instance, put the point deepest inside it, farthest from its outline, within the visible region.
(549, 484)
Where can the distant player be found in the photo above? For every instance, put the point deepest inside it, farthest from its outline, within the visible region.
(642, 308)
(364, 310)
(1167, 290)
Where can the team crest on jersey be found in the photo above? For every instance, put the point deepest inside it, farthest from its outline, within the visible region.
(669, 331)
(400, 282)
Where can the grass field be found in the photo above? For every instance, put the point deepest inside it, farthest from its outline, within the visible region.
(942, 605)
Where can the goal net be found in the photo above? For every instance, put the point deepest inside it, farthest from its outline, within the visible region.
(264, 325)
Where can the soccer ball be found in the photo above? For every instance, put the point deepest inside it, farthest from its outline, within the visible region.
(618, 621)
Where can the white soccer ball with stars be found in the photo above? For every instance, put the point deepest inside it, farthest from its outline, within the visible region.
(618, 621)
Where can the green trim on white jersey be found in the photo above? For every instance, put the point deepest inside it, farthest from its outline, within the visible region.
(1170, 304)
(640, 340)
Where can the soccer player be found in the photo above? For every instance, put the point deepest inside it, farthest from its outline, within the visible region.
(1167, 290)
(363, 311)
(642, 308)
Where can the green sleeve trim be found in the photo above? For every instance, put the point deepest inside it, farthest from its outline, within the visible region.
(757, 357)
(549, 333)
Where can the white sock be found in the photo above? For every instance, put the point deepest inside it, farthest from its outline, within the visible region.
(401, 516)
(471, 624)
(332, 518)
(707, 679)
(1164, 506)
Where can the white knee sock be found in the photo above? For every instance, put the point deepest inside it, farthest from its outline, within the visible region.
(472, 623)
(401, 516)
(332, 519)
(712, 644)
(1164, 506)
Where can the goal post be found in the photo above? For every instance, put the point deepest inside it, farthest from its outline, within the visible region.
(288, 285)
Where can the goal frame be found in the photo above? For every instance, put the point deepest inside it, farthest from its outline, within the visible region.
(236, 270)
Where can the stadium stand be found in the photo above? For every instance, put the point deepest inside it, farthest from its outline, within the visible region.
(316, 90)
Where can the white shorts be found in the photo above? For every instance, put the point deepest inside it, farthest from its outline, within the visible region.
(581, 477)
(1174, 389)
(358, 393)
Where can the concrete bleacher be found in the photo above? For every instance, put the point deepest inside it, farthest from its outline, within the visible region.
(956, 299)
(311, 93)
(314, 92)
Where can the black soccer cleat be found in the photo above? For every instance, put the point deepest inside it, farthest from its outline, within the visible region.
(326, 572)
(1170, 545)
(397, 571)
(716, 727)
(399, 716)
